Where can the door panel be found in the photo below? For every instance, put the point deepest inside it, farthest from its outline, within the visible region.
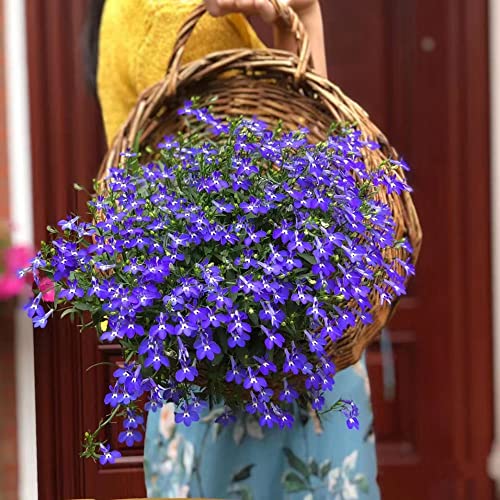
(125, 478)
(420, 69)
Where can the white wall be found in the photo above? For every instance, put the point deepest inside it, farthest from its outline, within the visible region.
(21, 210)
(494, 17)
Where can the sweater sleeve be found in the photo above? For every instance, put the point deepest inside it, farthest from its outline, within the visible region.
(136, 42)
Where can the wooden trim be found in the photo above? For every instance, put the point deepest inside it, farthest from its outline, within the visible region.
(62, 154)
(477, 256)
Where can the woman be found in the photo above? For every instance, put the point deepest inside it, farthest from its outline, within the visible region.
(312, 461)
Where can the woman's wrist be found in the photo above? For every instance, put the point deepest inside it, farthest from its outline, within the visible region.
(309, 13)
(302, 6)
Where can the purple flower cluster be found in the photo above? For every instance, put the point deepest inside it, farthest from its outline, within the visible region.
(226, 266)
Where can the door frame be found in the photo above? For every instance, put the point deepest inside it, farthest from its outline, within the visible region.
(494, 30)
(54, 35)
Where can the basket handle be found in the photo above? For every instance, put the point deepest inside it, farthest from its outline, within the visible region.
(285, 13)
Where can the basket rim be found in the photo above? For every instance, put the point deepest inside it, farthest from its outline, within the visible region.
(262, 64)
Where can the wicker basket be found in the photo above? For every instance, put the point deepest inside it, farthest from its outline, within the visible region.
(273, 85)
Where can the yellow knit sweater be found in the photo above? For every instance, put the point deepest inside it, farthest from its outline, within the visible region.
(136, 41)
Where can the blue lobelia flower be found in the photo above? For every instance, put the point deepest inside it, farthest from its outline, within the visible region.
(108, 456)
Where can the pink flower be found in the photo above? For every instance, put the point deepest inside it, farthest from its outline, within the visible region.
(10, 286)
(47, 288)
(16, 258)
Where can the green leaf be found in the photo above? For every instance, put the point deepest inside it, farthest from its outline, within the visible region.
(362, 483)
(52, 230)
(243, 474)
(294, 483)
(324, 468)
(253, 318)
(308, 258)
(295, 462)
(246, 494)
(82, 306)
(65, 313)
(209, 419)
(137, 141)
(242, 490)
(217, 429)
(77, 187)
(313, 467)
(219, 358)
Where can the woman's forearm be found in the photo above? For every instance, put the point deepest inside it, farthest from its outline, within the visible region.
(310, 15)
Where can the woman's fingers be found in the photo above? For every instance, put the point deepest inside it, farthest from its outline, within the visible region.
(220, 7)
(263, 8)
(243, 5)
(266, 10)
(213, 7)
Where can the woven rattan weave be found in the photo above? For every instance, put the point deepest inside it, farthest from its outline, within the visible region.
(273, 85)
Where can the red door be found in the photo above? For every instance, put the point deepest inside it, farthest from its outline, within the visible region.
(420, 68)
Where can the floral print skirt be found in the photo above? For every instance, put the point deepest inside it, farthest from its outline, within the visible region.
(312, 461)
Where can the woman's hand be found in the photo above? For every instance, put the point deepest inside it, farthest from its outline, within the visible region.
(262, 8)
(309, 12)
